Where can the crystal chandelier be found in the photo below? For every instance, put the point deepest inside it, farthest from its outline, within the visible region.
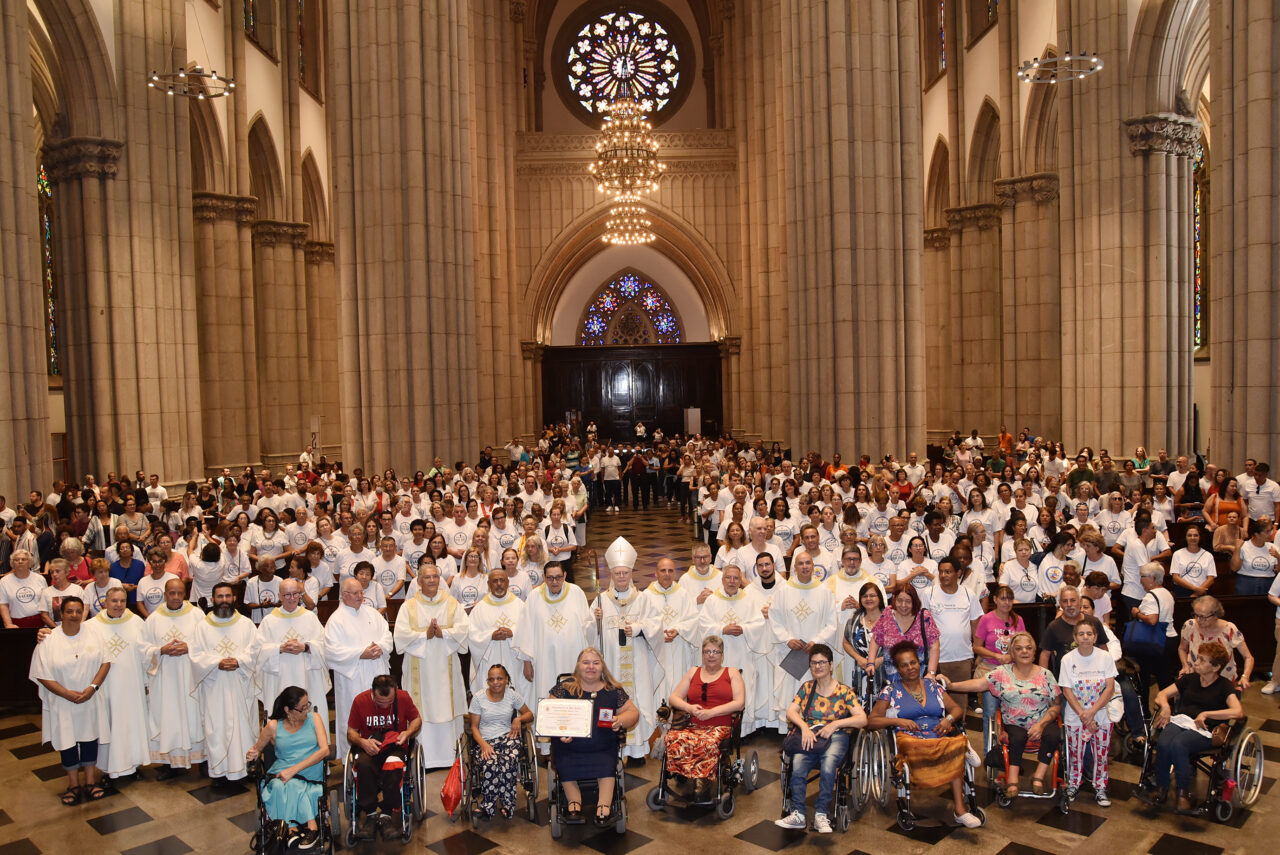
(628, 222)
(627, 154)
(1052, 69)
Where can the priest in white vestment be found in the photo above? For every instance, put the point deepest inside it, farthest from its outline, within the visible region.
(673, 627)
(222, 665)
(289, 651)
(846, 589)
(357, 646)
(802, 615)
(174, 723)
(125, 689)
(734, 612)
(702, 579)
(557, 625)
(431, 631)
(624, 614)
(495, 620)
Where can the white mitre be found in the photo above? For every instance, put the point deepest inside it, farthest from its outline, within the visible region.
(620, 554)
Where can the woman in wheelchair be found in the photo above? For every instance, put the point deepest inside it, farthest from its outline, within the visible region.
(710, 694)
(1203, 696)
(594, 757)
(821, 714)
(301, 743)
(924, 716)
(497, 714)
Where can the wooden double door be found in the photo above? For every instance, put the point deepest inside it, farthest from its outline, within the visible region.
(618, 386)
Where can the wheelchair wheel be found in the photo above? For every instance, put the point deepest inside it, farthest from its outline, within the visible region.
(418, 799)
(621, 825)
(406, 826)
(861, 780)
(1222, 811)
(334, 833)
(750, 771)
(882, 785)
(979, 813)
(557, 829)
(1247, 763)
(654, 799)
(1003, 800)
(725, 807)
(906, 820)
(842, 818)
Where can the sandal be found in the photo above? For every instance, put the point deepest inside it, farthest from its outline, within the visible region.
(95, 792)
(1037, 786)
(1011, 791)
(604, 814)
(72, 796)
(575, 810)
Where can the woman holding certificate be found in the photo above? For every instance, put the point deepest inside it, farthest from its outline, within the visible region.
(595, 756)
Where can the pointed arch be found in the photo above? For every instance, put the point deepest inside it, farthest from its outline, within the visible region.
(937, 197)
(1169, 48)
(266, 181)
(315, 211)
(984, 154)
(207, 168)
(629, 307)
(86, 77)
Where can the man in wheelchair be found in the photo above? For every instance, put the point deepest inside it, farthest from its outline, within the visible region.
(381, 728)
(1204, 696)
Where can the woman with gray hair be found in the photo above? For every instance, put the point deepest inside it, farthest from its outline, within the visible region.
(1207, 625)
(72, 549)
(1155, 609)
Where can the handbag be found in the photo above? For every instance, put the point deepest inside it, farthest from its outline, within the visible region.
(792, 744)
(1145, 639)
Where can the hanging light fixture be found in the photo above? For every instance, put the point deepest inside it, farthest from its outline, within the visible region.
(192, 83)
(628, 223)
(627, 153)
(1052, 69)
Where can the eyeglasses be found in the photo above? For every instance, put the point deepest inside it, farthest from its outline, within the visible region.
(815, 662)
(305, 708)
(1204, 617)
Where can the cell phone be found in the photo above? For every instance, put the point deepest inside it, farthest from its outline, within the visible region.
(622, 638)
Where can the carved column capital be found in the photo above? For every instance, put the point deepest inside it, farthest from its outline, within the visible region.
(727, 9)
(981, 217)
(221, 206)
(518, 10)
(531, 350)
(938, 238)
(1040, 187)
(272, 232)
(76, 157)
(1167, 133)
(319, 251)
(730, 345)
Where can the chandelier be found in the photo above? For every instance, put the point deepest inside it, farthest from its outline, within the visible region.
(1052, 69)
(192, 83)
(628, 222)
(627, 165)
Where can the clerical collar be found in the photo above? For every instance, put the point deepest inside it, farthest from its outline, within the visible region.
(437, 600)
(656, 587)
(168, 612)
(768, 585)
(105, 618)
(722, 595)
(548, 597)
(280, 612)
(813, 582)
(622, 595)
(489, 598)
(711, 571)
(217, 621)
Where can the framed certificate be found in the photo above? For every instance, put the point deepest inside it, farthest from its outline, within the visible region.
(564, 717)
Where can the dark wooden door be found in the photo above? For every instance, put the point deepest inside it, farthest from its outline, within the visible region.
(617, 386)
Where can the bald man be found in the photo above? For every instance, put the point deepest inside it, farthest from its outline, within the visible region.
(174, 721)
(494, 623)
(357, 644)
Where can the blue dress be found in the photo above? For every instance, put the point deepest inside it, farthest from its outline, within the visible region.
(294, 802)
(595, 756)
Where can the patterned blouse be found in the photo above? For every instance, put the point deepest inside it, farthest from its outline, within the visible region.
(1225, 633)
(817, 709)
(1023, 702)
(923, 631)
(903, 704)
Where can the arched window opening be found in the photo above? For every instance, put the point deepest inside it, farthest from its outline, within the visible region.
(630, 310)
(1200, 229)
(44, 191)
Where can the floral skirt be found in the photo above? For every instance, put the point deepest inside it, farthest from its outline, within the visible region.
(695, 751)
(498, 775)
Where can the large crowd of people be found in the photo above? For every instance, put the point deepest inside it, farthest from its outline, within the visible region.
(168, 619)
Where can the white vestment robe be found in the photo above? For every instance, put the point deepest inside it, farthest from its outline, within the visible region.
(229, 699)
(804, 612)
(306, 670)
(631, 659)
(73, 662)
(694, 584)
(431, 672)
(175, 726)
(488, 615)
(745, 652)
(125, 692)
(843, 585)
(672, 608)
(553, 631)
(347, 634)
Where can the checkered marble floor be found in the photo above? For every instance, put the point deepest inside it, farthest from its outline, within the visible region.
(184, 815)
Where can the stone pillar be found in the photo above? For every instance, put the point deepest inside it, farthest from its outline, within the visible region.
(531, 359)
(284, 372)
(228, 342)
(401, 110)
(25, 453)
(974, 357)
(730, 381)
(1030, 304)
(939, 347)
(321, 296)
(854, 224)
(1244, 348)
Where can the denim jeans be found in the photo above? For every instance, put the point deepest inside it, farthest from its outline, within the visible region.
(1253, 584)
(828, 764)
(1175, 748)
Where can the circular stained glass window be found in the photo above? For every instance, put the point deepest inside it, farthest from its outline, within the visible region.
(623, 51)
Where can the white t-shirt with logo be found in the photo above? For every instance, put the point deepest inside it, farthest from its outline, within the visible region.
(953, 614)
(51, 599)
(1086, 676)
(1256, 560)
(151, 590)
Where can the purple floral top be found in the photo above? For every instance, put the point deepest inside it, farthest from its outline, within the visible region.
(1023, 702)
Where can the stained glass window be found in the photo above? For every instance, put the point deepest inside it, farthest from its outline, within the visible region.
(630, 310)
(251, 17)
(942, 35)
(1200, 268)
(624, 54)
(45, 193)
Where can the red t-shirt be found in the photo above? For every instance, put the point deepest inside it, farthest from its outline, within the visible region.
(369, 720)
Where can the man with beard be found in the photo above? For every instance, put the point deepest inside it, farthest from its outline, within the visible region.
(173, 714)
(222, 667)
(556, 627)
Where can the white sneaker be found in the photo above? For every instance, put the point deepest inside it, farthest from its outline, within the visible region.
(971, 757)
(968, 820)
(795, 819)
(821, 823)
(1271, 688)
(1102, 798)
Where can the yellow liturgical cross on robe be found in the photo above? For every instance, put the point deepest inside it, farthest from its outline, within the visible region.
(226, 647)
(116, 645)
(558, 621)
(801, 610)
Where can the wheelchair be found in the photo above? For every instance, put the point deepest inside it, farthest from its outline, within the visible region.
(528, 776)
(870, 751)
(1234, 771)
(877, 763)
(843, 806)
(272, 835)
(1128, 745)
(413, 794)
(735, 769)
(558, 804)
(998, 773)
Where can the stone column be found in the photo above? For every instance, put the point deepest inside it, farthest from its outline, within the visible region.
(228, 342)
(280, 313)
(1030, 304)
(939, 349)
(1244, 347)
(975, 351)
(531, 363)
(321, 295)
(401, 107)
(854, 224)
(25, 452)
